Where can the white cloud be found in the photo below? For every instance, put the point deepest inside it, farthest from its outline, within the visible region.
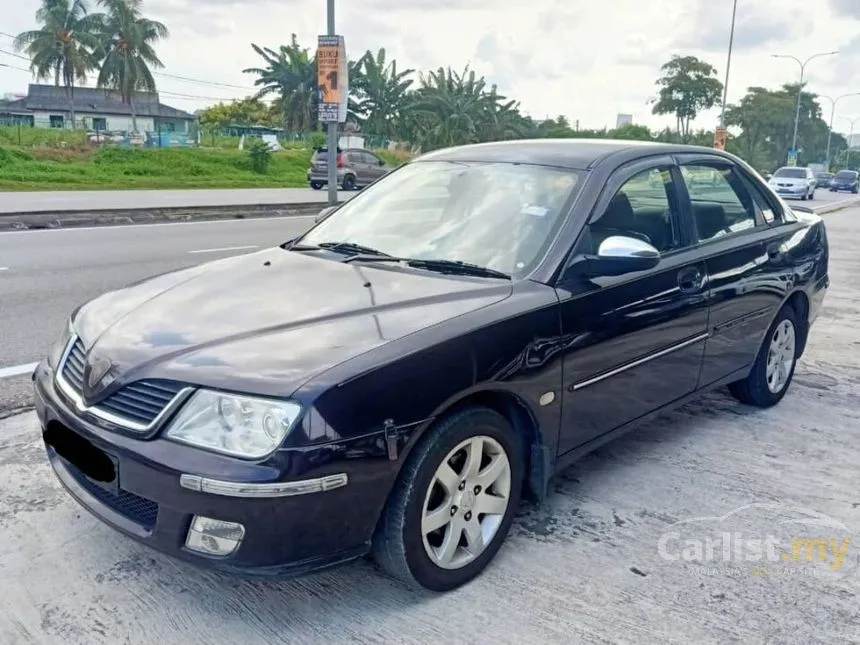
(588, 61)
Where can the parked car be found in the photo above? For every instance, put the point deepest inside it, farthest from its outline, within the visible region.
(356, 168)
(392, 381)
(823, 179)
(845, 180)
(793, 181)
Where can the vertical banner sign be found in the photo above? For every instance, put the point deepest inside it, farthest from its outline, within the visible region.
(332, 79)
(792, 158)
(720, 136)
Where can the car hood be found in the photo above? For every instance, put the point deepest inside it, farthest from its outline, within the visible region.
(266, 322)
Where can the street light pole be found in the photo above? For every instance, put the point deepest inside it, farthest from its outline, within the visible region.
(833, 103)
(803, 65)
(332, 127)
(728, 65)
(850, 133)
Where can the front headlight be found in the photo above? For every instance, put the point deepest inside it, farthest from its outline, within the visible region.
(232, 424)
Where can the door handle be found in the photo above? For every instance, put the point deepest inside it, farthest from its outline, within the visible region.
(690, 279)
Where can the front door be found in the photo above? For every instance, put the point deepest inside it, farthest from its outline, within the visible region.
(633, 343)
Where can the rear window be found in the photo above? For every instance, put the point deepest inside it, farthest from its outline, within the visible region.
(791, 173)
(846, 174)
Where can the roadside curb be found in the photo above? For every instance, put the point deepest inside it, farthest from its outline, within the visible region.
(73, 219)
(836, 206)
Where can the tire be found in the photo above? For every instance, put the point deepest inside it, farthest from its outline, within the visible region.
(400, 546)
(755, 389)
(316, 185)
(812, 195)
(348, 182)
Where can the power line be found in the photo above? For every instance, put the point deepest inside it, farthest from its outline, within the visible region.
(177, 95)
(180, 77)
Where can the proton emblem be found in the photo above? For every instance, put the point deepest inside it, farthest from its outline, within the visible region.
(98, 373)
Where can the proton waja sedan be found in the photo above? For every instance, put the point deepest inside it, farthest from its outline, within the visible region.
(391, 382)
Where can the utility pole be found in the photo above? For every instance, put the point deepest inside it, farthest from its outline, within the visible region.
(803, 65)
(728, 66)
(332, 127)
(833, 103)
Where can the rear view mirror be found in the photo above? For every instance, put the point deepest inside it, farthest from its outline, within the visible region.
(619, 254)
(324, 213)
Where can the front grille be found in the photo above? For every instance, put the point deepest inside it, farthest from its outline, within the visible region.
(142, 401)
(138, 509)
(73, 368)
(135, 406)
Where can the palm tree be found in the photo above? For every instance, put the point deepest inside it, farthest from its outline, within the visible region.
(64, 46)
(290, 74)
(127, 40)
(382, 93)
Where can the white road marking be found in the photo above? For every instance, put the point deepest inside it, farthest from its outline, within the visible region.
(226, 248)
(17, 370)
(4, 268)
(294, 218)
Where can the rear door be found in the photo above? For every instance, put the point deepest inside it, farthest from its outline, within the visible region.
(633, 343)
(375, 166)
(741, 250)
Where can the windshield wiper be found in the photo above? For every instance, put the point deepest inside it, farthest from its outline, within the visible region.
(351, 247)
(451, 267)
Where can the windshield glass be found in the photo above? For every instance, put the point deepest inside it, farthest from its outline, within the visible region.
(845, 174)
(791, 173)
(501, 216)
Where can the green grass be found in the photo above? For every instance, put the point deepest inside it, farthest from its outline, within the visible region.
(55, 160)
(117, 168)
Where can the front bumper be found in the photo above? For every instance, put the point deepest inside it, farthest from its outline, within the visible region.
(283, 536)
(843, 187)
(792, 191)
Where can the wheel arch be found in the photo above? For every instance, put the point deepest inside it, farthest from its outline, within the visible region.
(537, 454)
(799, 301)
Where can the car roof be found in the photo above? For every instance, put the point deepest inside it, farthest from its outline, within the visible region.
(579, 154)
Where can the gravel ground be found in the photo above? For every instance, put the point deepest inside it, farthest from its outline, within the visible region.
(597, 563)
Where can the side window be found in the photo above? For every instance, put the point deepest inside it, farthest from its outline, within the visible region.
(642, 209)
(369, 158)
(721, 203)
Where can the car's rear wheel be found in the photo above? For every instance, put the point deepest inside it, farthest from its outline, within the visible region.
(773, 370)
(316, 185)
(348, 182)
(453, 503)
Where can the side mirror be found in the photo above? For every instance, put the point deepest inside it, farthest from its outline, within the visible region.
(328, 210)
(619, 255)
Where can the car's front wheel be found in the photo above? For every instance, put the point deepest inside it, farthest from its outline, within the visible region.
(453, 503)
(773, 369)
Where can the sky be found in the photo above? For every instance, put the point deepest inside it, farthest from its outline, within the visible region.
(586, 60)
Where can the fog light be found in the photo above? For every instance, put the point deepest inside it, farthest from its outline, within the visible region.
(214, 537)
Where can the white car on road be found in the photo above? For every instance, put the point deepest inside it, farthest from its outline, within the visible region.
(792, 181)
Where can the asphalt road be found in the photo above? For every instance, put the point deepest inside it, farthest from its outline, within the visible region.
(82, 200)
(598, 562)
(45, 274)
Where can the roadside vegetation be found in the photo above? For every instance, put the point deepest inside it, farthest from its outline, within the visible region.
(83, 168)
(77, 40)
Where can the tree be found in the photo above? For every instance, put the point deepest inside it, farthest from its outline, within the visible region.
(382, 93)
(64, 46)
(688, 86)
(289, 74)
(766, 121)
(127, 47)
(248, 111)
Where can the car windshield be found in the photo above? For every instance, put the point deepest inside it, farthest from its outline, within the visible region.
(790, 173)
(845, 174)
(823, 175)
(500, 216)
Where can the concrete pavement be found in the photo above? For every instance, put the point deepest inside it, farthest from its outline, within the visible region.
(598, 562)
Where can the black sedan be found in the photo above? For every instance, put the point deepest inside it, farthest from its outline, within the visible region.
(823, 179)
(393, 380)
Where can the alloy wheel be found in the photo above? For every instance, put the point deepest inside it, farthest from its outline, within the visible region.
(466, 502)
(780, 356)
